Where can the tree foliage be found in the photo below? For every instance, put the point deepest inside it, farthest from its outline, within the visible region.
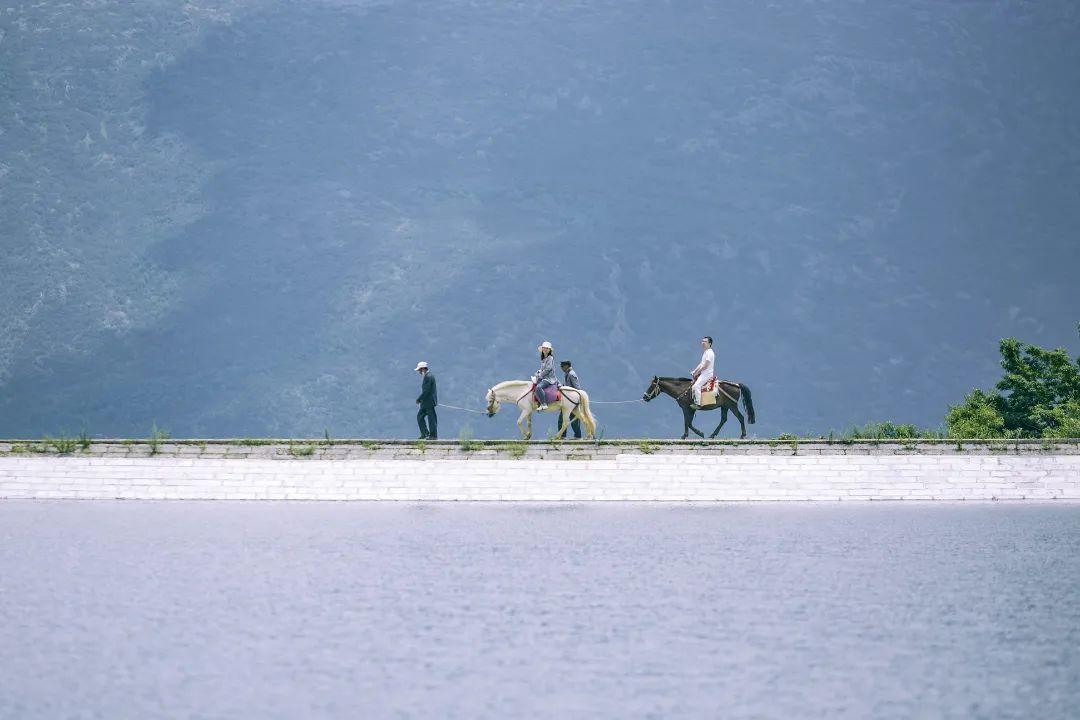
(976, 417)
(1039, 396)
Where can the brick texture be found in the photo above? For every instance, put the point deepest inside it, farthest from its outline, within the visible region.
(669, 472)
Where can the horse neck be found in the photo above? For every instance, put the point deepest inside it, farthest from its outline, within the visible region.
(511, 390)
(674, 386)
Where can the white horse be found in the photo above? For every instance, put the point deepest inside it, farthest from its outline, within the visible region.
(519, 392)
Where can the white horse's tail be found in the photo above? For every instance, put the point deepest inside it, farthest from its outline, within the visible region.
(590, 421)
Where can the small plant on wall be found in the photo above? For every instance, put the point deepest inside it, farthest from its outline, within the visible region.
(468, 442)
(647, 446)
(157, 435)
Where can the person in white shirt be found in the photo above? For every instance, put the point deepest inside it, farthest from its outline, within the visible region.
(704, 371)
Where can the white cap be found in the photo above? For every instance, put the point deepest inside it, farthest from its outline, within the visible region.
(545, 344)
(420, 366)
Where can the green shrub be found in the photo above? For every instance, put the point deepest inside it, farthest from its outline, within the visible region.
(1040, 393)
(887, 431)
(977, 417)
(1064, 421)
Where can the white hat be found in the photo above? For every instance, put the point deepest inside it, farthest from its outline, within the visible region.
(420, 366)
(545, 344)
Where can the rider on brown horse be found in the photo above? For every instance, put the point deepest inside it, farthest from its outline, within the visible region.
(727, 399)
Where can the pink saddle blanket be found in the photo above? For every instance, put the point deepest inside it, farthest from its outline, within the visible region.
(551, 393)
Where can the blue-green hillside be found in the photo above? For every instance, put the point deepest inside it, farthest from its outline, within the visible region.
(242, 218)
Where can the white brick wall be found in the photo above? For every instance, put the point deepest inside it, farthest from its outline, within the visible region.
(629, 476)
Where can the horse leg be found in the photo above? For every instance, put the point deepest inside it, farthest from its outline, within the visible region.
(685, 422)
(526, 431)
(690, 422)
(724, 419)
(564, 421)
(742, 421)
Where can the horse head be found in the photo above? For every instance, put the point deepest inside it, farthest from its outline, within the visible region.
(653, 390)
(492, 403)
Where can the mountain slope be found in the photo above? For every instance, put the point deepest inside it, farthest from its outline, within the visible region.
(250, 218)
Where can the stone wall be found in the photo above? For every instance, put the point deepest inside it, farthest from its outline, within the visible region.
(609, 470)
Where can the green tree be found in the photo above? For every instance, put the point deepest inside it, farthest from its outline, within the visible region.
(977, 417)
(1040, 393)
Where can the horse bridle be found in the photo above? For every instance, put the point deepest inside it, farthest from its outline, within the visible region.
(655, 393)
(655, 389)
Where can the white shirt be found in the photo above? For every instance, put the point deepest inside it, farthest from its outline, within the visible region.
(706, 365)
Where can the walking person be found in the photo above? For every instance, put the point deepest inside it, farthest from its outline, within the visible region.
(703, 373)
(545, 376)
(429, 398)
(571, 377)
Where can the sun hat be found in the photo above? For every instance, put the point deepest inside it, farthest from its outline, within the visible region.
(545, 344)
(420, 366)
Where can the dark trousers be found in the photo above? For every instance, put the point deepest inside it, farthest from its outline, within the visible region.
(431, 429)
(575, 425)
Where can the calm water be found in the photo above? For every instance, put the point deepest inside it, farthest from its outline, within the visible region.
(215, 610)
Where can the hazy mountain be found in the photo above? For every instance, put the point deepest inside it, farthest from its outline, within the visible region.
(246, 218)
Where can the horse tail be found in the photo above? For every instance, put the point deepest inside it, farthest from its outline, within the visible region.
(748, 402)
(590, 420)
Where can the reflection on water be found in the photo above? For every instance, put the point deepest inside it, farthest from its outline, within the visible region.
(288, 610)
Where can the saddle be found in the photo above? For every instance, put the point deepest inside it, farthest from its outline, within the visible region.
(708, 393)
(551, 393)
(711, 391)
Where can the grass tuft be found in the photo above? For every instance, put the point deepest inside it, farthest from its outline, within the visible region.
(63, 444)
(301, 450)
(251, 442)
(156, 436)
(468, 442)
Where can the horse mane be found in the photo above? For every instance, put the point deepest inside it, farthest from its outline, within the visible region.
(677, 379)
(506, 383)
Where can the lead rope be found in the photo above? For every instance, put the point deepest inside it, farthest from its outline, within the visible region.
(455, 407)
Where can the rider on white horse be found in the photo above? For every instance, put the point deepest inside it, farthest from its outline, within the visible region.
(545, 376)
(703, 373)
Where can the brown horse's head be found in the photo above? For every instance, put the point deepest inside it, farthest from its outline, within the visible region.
(653, 390)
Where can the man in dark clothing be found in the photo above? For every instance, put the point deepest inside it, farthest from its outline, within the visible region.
(427, 401)
(570, 375)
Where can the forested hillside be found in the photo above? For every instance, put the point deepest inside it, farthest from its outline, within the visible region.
(245, 218)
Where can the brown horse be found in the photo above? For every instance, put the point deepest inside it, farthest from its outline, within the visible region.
(727, 399)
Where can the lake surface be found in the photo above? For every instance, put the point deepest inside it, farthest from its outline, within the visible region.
(290, 610)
